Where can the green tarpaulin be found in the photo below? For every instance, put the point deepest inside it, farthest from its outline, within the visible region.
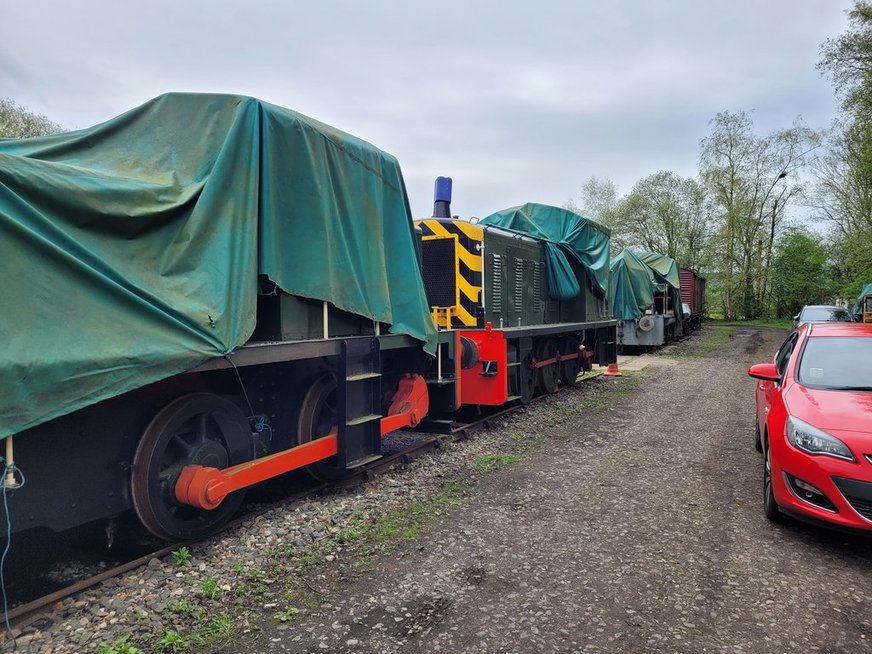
(130, 251)
(664, 267)
(666, 272)
(566, 234)
(632, 286)
(857, 309)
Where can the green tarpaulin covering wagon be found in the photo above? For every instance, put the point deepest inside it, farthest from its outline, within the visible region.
(645, 296)
(136, 249)
(153, 265)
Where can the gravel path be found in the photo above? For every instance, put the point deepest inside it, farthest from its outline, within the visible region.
(639, 532)
(621, 517)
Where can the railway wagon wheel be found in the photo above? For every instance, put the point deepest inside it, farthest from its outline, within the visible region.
(318, 417)
(569, 368)
(196, 429)
(549, 375)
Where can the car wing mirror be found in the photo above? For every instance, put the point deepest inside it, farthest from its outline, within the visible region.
(765, 372)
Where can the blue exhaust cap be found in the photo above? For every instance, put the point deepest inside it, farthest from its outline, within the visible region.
(442, 198)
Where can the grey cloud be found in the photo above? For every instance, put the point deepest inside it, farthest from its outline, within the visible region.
(518, 101)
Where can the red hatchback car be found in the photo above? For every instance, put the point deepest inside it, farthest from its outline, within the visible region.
(814, 426)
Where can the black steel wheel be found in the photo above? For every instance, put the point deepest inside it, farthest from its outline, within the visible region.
(527, 379)
(197, 429)
(549, 376)
(318, 417)
(770, 506)
(570, 368)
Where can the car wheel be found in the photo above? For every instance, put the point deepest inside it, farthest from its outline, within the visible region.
(758, 444)
(770, 506)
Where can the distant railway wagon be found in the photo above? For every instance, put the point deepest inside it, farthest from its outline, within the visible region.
(692, 295)
(645, 297)
(214, 307)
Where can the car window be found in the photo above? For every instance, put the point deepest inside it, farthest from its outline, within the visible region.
(824, 314)
(832, 362)
(783, 354)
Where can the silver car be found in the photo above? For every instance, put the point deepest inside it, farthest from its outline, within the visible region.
(821, 313)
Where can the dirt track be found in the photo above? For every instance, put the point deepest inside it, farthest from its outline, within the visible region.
(641, 532)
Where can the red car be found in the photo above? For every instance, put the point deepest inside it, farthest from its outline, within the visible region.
(814, 426)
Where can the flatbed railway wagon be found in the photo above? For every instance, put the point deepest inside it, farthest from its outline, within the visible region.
(693, 296)
(199, 310)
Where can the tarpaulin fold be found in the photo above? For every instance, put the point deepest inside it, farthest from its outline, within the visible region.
(130, 251)
(567, 235)
(632, 287)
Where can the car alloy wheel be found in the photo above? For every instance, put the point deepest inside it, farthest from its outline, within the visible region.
(770, 506)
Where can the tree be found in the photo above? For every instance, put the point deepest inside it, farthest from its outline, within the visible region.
(847, 59)
(799, 274)
(18, 122)
(667, 214)
(597, 199)
(744, 174)
(843, 192)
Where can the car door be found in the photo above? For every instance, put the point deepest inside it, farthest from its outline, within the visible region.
(766, 389)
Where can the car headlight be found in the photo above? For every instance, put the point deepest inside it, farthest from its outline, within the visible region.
(814, 441)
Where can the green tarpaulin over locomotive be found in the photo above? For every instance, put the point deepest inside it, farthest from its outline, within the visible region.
(131, 251)
(636, 276)
(632, 286)
(565, 234)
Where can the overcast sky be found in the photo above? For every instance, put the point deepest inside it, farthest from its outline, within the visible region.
(517, 101)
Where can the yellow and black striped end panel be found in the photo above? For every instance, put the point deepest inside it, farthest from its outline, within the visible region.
(469, 257)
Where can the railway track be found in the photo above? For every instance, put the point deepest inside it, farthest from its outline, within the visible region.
(25, 613)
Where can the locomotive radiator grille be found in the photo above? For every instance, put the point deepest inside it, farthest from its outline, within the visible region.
(497, 285)
(519, 285)
(537, 286)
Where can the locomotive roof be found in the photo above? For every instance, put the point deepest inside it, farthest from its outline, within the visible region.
(570, 234)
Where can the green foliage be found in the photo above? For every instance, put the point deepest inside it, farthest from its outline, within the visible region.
(18, 122)
(209, 587)
(287, 615)
(182, 556)
(752, 180)
(667, 214)
(799, 274)
(310, 560)
(172, 641)
(843, 191)
(282, 552)
(120, 646)
(490, 462)
(180, 607)
(847, 58)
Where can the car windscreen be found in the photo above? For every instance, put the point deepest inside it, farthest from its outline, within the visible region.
(836, 363)
(824, 314)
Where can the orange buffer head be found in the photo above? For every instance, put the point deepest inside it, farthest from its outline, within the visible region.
(410, 404)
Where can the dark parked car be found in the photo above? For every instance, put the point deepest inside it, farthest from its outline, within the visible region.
(821, 313)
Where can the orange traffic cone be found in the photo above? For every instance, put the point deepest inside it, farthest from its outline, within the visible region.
(612, 371)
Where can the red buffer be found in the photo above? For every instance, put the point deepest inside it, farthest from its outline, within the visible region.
(486, 382)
